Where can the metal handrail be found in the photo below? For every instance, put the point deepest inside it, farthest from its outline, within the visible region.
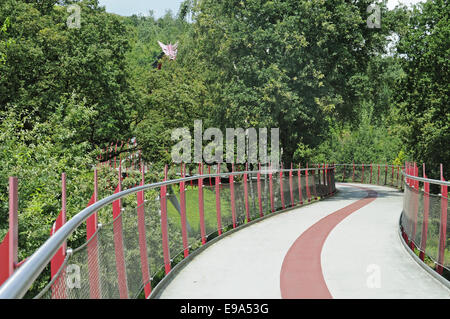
(18, 284)
(426, 180)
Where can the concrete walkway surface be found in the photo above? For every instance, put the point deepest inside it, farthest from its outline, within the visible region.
(346, 246)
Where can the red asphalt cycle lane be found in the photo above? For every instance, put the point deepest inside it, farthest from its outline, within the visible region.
(301, 273)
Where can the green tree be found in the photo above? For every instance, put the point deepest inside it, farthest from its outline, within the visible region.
(423, 94)
(286, 64)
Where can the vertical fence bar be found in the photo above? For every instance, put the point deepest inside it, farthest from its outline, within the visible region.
(370, 180)
(13, 245)
(164, 225)
(143, 238)
(398, 173)
(9, 246)
(299, 175)
(378, 178)
(291, 187)
(218, 208)
(118, 241)
(415, 207)
(271, 189)
(308, 193)
(184, 232)
(442, 224)
(92, 248)
(247, 211)
(392, 177)
(314, 184)
(59, 286)
(233, 208)
(330, 177)
(261, 214)
(201, 205)
(209, 173)
(343, 176)
(426, 213)
(385, 174)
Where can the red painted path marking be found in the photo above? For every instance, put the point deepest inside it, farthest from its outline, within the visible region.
(301, 272)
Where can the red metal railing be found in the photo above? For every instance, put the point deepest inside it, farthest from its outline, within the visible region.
(161, 224)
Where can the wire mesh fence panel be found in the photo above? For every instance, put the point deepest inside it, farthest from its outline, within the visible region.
(417, 198)
(295, 188)
(239, 200)
(174, 225)
(225, 205)
(265, 193)
(153, 233)
(210, 211)
(433, 226)
(286, 190)
(253, 202)
(138, 236)
(276, 191)
(193, 216)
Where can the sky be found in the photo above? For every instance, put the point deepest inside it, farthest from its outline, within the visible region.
(130, 7)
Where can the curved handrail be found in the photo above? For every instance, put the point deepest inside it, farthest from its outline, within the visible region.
(22, 279)
(426, 180)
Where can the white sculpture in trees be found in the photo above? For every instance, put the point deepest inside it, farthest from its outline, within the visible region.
(169, 50)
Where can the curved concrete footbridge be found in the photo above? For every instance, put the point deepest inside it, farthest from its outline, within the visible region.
(346, 246)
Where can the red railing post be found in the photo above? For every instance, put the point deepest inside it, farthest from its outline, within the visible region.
(291, 187)
(233, 208)
(92, 247)
(330, 186)
(209, 173)
(201, 205)
(271, 188)
(370, 181)
(165, 225)
(9, 245)
(398, 173)
(261, 213)
(184, 233)
(392, 179)
(426, 212)
(218, 208)
(385, 174)
(378, 178)
(13, 245)
(416, 205)
(247, 211)
(314, 184)
(300, 184)
(59, 286)
(118, 242)
(443, 224)
(143, 238)
(308, 193)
